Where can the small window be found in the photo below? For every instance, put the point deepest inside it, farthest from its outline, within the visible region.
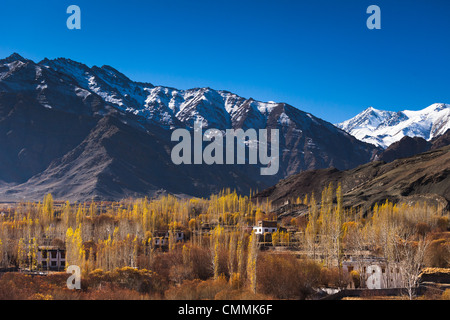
(44, 254)
(53, 255)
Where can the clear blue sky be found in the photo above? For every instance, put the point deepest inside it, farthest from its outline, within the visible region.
(316, 55)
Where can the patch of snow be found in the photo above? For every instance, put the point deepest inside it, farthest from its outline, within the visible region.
(284, 119)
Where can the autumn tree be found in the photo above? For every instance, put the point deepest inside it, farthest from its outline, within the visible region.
(252, 257)
(410, 254)
(312, 228)
(75, 254)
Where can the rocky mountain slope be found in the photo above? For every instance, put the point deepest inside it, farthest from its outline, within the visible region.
(83, 133)
(408, 147)
(423, 177)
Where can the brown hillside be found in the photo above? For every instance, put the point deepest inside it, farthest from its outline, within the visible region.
(418, 178)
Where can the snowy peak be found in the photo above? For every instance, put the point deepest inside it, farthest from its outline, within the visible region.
(382, 128)
(97, 128)
(107, 88)
(165, 106)
(370, 118)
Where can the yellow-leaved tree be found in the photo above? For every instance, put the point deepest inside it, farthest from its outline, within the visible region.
(252, 257)
(75, 254)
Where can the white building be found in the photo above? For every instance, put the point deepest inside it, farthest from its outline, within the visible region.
(265, 227)
(376, 273)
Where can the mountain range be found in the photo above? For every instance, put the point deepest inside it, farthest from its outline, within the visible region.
(85, 133)
(383, 128)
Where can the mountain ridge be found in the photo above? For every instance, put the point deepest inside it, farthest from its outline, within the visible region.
(42, 102)
(383, 128)
(422, 177)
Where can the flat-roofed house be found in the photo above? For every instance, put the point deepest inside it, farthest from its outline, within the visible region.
(265, 227)
(51, 258)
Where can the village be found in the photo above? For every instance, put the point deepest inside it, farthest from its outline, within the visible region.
(212, 242)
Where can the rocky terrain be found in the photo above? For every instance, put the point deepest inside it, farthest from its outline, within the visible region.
(84, 133)
(423, 177)
(408, 147)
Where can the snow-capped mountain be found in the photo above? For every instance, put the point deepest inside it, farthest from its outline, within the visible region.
(165, 106)
(81, 132)
(382, 128)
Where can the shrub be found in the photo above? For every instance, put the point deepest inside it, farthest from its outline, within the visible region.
(186, 291)
(437, 254)
(283, 276)
(442, 223)
(197, 290)
(446, 295)
(356, 278)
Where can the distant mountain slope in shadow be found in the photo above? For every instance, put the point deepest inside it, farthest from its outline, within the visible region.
(408, 147)
(425, 176)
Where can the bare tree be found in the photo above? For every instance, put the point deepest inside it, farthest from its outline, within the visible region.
(410, 255)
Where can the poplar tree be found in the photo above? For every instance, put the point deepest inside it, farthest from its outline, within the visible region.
(232, 253)
(240, 257)
(312, 227)
(339, 221)
(48, 209)
(21, 253)
(75, 254)
(2, 262)
(252, 257)
(215, 249)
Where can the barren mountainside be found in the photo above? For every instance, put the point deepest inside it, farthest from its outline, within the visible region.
(85, 133)
(425, 176)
